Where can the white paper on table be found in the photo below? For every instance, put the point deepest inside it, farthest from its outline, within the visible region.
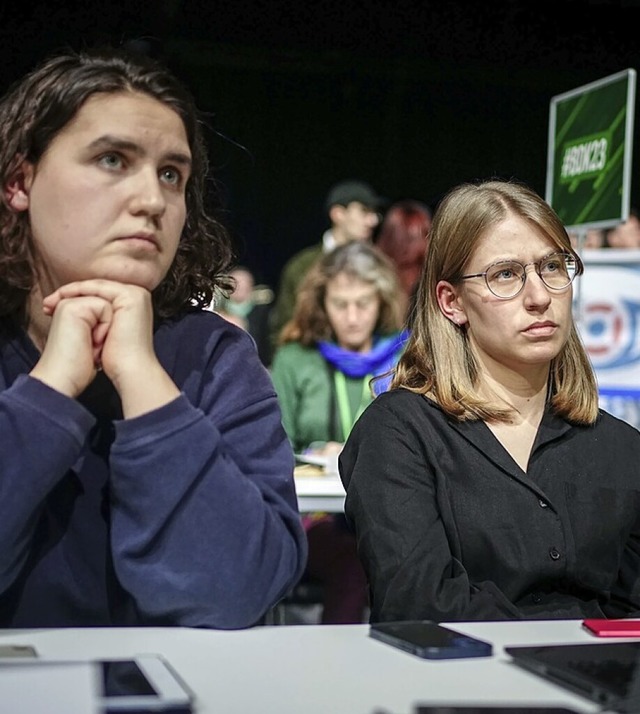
(49, 688)
(329, 485)
(328, 463)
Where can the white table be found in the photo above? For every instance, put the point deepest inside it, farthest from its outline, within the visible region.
(320, 493)
(323, 669)
(68, 688)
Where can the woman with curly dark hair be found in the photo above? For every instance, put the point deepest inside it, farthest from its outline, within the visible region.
(143, 480)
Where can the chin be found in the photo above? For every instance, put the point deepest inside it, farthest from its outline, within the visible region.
(142, 278)
(543, 357)
(359, 347)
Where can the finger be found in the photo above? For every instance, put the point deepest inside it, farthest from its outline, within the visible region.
(97, 357)
(92, 311)
(105, 289)
(100, 331)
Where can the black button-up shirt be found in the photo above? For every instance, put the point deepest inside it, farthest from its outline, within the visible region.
(449, 527)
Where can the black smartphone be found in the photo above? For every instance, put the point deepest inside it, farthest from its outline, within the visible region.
(429, 640)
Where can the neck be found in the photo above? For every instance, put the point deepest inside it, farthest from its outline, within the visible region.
(525, 394)
(362, 349)
(339, 236)
(38, 323)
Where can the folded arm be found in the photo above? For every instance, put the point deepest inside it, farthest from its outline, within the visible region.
(205, 526)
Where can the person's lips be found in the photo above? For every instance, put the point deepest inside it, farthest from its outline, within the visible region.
(541, 329)
(142, 239)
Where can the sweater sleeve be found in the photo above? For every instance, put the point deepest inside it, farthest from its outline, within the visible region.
(397, 505)
(42, 433)
(205, 526)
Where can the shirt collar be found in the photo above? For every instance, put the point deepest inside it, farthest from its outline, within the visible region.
(328, 241)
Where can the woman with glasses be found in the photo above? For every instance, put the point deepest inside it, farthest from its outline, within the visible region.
(487, 484)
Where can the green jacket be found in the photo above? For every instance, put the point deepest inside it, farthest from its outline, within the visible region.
(292, 273)
(303, 381)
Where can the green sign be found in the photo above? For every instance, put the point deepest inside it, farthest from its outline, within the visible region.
(589, 159)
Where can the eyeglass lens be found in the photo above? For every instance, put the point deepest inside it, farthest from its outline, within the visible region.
(507, 279)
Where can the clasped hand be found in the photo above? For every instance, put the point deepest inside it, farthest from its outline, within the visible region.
(97, 324)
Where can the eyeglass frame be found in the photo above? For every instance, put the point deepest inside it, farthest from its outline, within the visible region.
(536, 263)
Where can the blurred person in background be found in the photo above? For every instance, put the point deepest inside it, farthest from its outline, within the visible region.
(593, 239)
(249, 306)
(352, 207)
(625, 235)
(346, 330)
(404, 237)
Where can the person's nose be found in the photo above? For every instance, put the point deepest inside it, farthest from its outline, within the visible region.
(353, 315)
(536, 292)
(147, 194)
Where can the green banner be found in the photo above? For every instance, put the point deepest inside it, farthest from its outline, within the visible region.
(590, 145)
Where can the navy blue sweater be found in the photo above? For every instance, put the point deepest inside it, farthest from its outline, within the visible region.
(185, 515)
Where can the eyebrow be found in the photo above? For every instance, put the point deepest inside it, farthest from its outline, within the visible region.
(109, 141)
(358, 298)
(515, 260)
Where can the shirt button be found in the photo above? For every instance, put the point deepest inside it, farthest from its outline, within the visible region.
(554, 554)
(536, 598)
(543, 504)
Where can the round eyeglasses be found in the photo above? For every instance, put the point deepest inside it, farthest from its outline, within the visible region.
(506, 279)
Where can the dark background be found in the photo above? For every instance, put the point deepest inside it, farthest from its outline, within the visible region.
(413, 97)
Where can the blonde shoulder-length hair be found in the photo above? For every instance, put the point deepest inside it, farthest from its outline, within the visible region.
(438, 360)
(310, 323)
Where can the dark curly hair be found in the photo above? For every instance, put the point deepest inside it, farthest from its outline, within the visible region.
(32, 114)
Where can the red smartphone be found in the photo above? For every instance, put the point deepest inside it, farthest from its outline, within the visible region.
(612, 628)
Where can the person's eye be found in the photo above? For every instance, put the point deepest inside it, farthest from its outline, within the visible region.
(552, 266)
(504, 274)
(171, 176)
(111, 160)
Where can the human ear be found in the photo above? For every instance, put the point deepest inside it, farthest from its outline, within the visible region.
(336, 213)
(17, 189)
(449, 303)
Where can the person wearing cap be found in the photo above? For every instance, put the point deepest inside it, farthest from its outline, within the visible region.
(352, 208)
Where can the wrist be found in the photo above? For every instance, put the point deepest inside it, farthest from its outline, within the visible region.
(143, 391)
